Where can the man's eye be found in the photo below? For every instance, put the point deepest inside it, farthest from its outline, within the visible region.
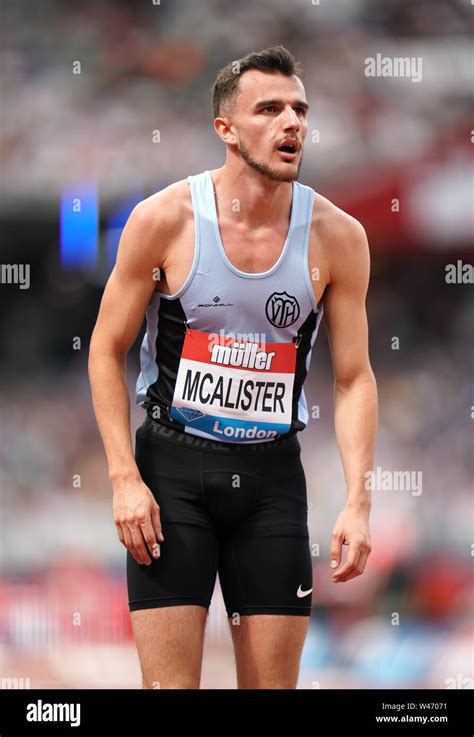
(270, 107)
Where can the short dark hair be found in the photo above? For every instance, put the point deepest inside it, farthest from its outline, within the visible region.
(274, 59)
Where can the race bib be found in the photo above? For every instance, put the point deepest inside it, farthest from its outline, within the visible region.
(235, 390)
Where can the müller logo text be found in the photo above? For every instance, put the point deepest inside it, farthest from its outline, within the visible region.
(245, 355)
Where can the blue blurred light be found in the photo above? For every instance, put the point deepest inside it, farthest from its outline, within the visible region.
(79, 225)
(116, 222)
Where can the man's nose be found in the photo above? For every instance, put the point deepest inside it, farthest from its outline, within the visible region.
(291, 119)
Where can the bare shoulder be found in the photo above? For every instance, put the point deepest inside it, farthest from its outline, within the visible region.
(166, 210)
(154, 226)
(341, 239)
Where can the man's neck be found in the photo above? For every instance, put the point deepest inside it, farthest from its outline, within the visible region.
(250, 199)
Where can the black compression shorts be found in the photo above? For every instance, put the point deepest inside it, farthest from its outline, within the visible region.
(239, 510)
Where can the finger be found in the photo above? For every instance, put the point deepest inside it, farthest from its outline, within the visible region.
(148, 533)
(136, 554)
(139, 543)
(363, 562)
(156, 522)
(359, 568)
(359, 565)
(127, 537)
(120, 534)
(350, 564)
(128, 542)
(336, 549)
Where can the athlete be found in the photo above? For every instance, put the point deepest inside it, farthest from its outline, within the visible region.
(233, 268)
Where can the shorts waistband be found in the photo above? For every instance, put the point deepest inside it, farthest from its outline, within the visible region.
(166, 432)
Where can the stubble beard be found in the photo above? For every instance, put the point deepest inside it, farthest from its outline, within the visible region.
(268, 171)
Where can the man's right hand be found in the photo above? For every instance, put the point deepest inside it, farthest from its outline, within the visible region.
(137, 519)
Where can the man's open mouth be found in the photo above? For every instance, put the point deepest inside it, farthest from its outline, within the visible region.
(289, 148)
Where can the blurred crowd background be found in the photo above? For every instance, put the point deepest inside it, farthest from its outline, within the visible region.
(113, 99)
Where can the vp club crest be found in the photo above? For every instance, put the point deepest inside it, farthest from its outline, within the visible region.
(282, 309)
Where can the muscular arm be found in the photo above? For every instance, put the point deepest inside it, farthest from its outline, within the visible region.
(120, 317)
(126, 296)
(355, 392)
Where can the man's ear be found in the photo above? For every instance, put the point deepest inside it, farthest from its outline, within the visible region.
(224, 130)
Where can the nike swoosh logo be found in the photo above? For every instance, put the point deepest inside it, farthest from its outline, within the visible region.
(301, 593)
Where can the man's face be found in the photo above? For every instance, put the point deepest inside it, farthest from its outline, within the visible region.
(269, 110)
